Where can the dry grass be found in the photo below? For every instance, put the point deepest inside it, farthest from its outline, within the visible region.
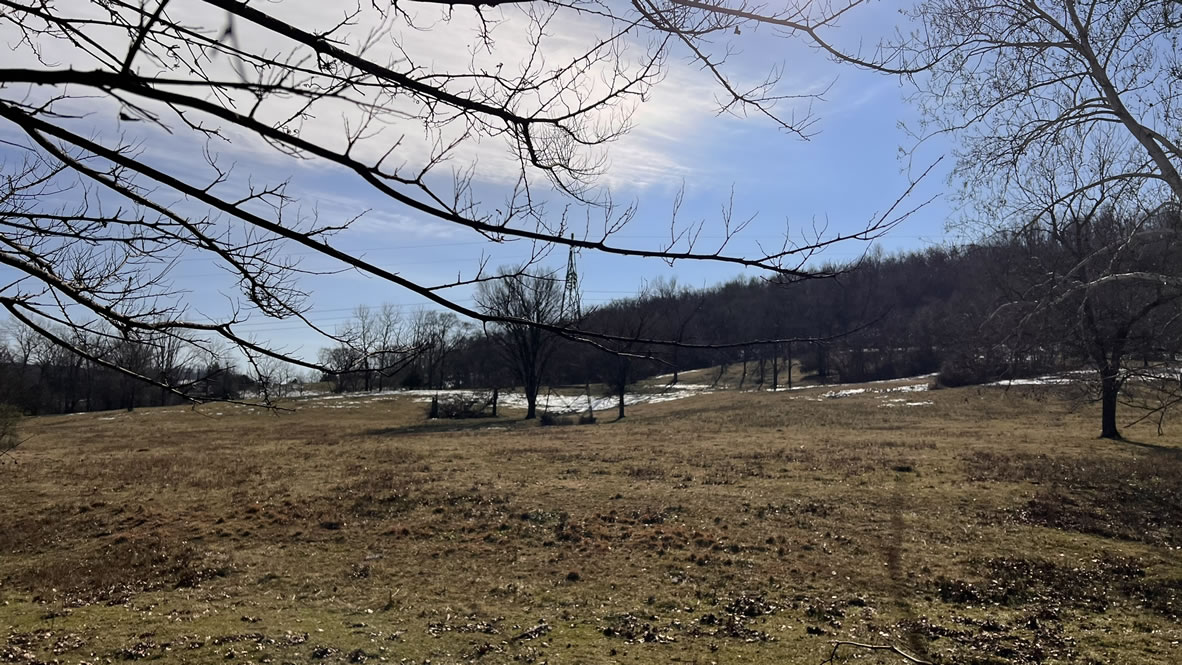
(731, 376)
(987, 527)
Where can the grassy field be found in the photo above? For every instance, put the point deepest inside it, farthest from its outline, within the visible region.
(964, 526)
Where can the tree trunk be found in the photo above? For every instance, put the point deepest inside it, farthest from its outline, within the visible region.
(1109, 389)
(496, 394)
(621, 385)
(789, 365)
(531, 404)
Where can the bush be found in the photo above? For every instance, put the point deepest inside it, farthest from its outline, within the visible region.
(967, 372)
(461, 405)
(10, 420)
(548, 419)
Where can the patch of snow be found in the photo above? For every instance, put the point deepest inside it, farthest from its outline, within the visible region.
(565, 404)
(1050, 379)
(905, 378)
(881, 393)
(875, 383)
(915, 388)
(848, 392)
(683, 372)
(1037, 381)
(899, 401)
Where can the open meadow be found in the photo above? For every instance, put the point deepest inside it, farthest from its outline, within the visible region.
(972, 525)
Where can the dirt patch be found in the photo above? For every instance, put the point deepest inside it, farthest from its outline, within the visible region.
(469, 624)
(969, 641)
(731, 621)
(117, 567)
(632, 629)
(1134, 499)
(1122, 513)
(1056, 589)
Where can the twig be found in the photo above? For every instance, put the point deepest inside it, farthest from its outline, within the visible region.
(874, 647)
(7, 452)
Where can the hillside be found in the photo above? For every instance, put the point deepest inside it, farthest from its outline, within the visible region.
(968, 525)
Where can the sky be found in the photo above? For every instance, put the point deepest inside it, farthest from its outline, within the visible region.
(848, 171)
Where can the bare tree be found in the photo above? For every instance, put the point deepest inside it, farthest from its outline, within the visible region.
(677, 306)
(275, 377)
(24, 343)
(341, 365)
(364, 335)
(525, 304)
(1068, 120)
(135, 354)
(174, 356)
(371, 347)
(1098, 281)
(434, 336)
(1023, 74)
(391, 352)
(631, 320)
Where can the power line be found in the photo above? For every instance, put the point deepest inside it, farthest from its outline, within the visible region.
(278, 325)
(312, 252)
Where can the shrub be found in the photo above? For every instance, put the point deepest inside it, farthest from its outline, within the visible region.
(461, 405)
(548, 419)
(10, 420)
(965, 371)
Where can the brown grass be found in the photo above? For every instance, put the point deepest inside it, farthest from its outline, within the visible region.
(987, 527)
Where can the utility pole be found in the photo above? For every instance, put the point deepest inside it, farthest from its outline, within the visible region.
(572, 309)
(571, 305)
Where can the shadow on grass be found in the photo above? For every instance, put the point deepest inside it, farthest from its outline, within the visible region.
(443, 425)
(1158, 449)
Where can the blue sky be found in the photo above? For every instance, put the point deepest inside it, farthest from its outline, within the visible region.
(848, 172)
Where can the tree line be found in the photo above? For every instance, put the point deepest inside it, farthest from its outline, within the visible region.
(39, 376)
(1101, 293)
(1026, 301)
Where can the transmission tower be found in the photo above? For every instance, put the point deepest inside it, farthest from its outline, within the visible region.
(572, 306)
